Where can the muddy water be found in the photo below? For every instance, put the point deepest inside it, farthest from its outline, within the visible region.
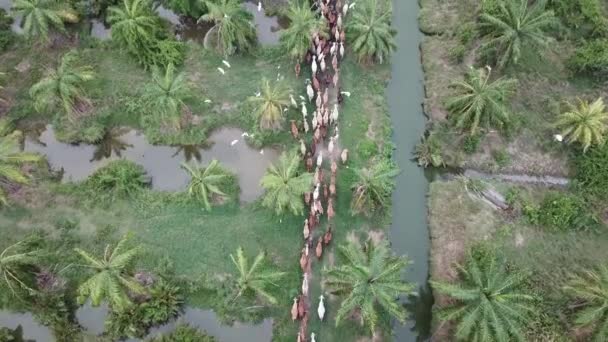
(409, 233)
(92, 321)
(162, 163)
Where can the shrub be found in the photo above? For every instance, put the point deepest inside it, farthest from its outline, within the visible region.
(164, 303)
(367, 148)
(501, 157)
(428, 152)
(6, 35)
(185, 333)
(591, 171)
(471, 143)
(118, 179)
(457, 52)
(562, 212)
(591, 57)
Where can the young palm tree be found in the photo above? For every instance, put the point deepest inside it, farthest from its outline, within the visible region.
(62, 87)
(233, 28)
(255, 277)
(480, 102)
(592, 288)
(428, 152)
(38, 17)
(303, 22)
(166, 93)
(205, 181)
(111, 280)
(269, 105)
(12, 261)
(11, 158)
(585, 124)
(369, 31)
(489, 306)
(516, 27)
(369, 277)
(373, 187)
(284, 187)
(134, 24)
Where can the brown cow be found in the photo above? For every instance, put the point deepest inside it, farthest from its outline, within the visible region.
(327, 236)
(319, 249)
(294, 129)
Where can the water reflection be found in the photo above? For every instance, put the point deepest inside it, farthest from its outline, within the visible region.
(162, 163)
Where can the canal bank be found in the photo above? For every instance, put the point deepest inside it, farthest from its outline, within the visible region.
(409, 233)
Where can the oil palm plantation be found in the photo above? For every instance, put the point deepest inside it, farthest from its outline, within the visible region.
(111, 280)
(373, 187)
(39, 16)
(591, 289)
(295, 39)
(516, 27)
(586, 124)
(369, 31)
(62, 87)
(256, 277)
(369, 278)
(285, 186)
(134, 25)
(233, 30)
(270, 103)
(206, 182)
(11, 158)
(478, 101)
(489, 305)
(13, 260)
(166, 93)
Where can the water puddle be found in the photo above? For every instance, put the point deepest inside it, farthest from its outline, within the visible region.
(16, 26)
(32, 330)
(92, 321)
(268, 27)
(162, 163)
(100, 30)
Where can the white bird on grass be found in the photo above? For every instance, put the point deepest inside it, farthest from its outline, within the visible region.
(345, 9)
(207, 101)
(321, 309)
(258, 94)
(262, 151)
(351, 6)
(226, 63)
(221, 71)
(259, 6)
(312, 337)
(293, 101)
(558, 137)
(302, 97)
(345, 93)
(233, 142)
(245, 134)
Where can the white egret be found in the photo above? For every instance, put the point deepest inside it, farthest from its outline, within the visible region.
(321, 308)
(226, 63)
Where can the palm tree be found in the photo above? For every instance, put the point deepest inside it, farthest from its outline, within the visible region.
(233, 26)
(11, 158)
(12, 261)
(269, 105)
(477, 101)
(516, 27)
(303, 23)
(369, 277)
(256, 277)
(428, 152)
(489, 306)
(369, 31)
(166, 93)
(134, 24)
(62, 86)
(205, 182)
(38, 17)
(585, 124)
(592, 289)
(373, 187)
(111, 280)
(284, 187)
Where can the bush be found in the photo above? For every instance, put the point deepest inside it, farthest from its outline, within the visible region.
(591, 57)
(501, 157)
(185, 333)
(591, 172)
(118, 179)
(163, 304)
(561, 212)
(367, 148)
(471, 143)
(456, 53)
(6, 35)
